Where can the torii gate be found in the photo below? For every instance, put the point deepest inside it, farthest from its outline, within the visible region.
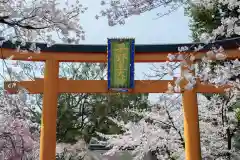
(52, 85)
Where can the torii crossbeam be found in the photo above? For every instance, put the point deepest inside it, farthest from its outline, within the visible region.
(52, 85)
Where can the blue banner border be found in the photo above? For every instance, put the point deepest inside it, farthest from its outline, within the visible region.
(109, 53)
(132, 50)
(132, 54)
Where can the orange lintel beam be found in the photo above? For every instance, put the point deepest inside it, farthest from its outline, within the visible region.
(33, 87)
(100, 86)
(95, 57)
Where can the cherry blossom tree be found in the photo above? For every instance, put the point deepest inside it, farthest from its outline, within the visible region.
(117, 11)
(21, 22)
(38, 20)
(19, 137)
(218, 123)
(77, 151)
(159, 132)
(33, 21)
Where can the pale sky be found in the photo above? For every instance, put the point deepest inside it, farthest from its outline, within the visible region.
(145, 29)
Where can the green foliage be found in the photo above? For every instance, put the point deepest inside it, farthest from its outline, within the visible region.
(82, 115)
(90, 117)
(202, 20)
(112, 106)
(237, 134)
(68, 123)
(236, 107)
(205, 20)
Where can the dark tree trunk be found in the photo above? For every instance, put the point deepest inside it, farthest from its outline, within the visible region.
(229, 141)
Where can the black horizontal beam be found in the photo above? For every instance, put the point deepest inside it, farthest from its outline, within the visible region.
(232, 43)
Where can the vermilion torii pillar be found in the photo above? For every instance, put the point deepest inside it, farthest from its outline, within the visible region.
(51, 85)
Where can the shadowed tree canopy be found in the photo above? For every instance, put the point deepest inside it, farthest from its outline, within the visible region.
(205, 20)
(92, 115)
(82, 115)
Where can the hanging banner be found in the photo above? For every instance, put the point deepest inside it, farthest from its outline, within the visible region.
(121, 64)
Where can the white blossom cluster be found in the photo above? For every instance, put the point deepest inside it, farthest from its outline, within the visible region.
(117, 11)
(38, 20)
(16, 139)
(230, 24)
(159, 132)
(76, 151)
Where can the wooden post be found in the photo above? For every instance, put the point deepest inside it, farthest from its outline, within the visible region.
(191, 124)
(49, 111)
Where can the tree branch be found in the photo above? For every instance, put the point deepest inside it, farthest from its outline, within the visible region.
(16, 23)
